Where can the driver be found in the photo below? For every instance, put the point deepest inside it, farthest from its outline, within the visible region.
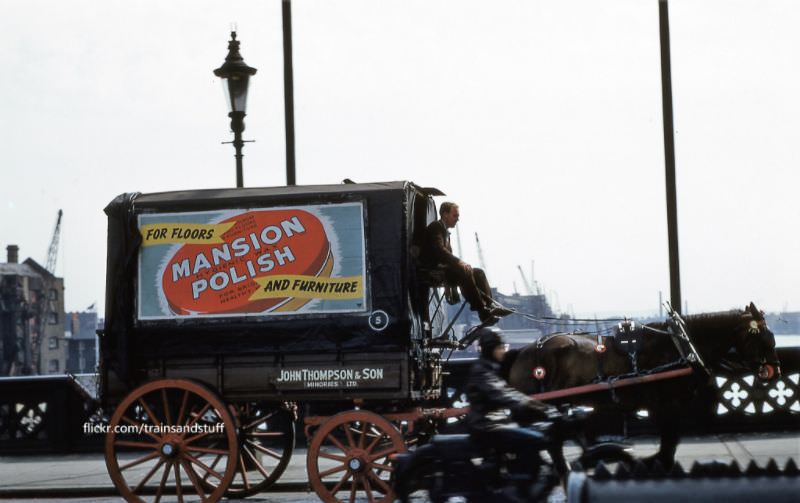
(493, 403)
(474, 286)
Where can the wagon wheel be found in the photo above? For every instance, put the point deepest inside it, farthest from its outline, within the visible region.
(168, 436)
(350, 453)
(266, 440)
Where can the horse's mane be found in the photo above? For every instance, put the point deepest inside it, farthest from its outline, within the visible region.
(709, 324)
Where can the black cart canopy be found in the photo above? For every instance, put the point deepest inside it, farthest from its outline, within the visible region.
(262, 270)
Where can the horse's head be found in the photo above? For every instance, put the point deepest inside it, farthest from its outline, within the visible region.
(755, 342)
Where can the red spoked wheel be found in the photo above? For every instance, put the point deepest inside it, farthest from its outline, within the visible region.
(266, 441)
(169, 437)
(349, 454)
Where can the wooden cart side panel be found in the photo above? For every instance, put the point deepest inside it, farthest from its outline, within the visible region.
(287, 377)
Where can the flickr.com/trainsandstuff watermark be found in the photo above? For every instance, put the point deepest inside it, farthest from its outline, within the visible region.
(125, 429)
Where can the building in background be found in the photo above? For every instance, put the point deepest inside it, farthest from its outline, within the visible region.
(81, 340)
(533, 312)
(533, 318)
(31, 318)
(784, 323)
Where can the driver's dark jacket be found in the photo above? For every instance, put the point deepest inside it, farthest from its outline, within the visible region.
(436, 246)
(491, 399)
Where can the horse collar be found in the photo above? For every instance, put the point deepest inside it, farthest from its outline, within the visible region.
(543, 340)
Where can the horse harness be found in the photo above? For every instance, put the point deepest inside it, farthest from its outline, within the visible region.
(539, 373)
(629, 338)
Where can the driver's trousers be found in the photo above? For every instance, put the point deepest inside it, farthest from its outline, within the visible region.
(474, 285)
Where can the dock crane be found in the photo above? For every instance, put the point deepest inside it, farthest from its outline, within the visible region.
(52, 252)
(531, 287)
(45, 303)
(458, 242)
(480, 255)
(528, 288)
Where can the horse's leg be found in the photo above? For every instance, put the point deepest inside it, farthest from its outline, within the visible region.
(667, 420)
(560, 464)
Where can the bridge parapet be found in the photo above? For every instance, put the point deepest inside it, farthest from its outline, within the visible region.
(736, 402)
(41, 414)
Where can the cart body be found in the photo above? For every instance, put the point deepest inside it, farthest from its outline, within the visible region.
(298, 293)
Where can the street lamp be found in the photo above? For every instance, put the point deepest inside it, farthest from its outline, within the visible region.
(235, 75)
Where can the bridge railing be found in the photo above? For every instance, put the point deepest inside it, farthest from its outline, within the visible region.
(735, 402)
(740, 402)
(41, 414)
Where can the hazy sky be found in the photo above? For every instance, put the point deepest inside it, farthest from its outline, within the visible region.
(541, 118)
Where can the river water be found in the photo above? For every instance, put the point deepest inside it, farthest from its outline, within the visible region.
(787, 341)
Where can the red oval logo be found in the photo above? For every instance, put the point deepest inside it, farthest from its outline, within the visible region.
(220, 278)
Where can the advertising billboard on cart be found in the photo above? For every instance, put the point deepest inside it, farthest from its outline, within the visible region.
(252, 262)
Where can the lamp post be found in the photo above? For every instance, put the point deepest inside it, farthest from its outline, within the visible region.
(669, 160)
(235, 75)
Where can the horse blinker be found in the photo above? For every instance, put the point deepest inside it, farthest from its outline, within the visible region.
(766, 372)
(768, 365)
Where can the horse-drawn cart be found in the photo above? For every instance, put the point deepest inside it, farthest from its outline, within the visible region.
(229, 310)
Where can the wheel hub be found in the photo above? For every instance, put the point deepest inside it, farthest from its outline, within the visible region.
(355, 464)
(168, 449)
(152, 405)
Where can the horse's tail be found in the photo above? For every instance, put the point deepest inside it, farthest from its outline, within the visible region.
(508, 362)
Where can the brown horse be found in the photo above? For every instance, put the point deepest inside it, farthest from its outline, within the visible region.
(562, 360)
